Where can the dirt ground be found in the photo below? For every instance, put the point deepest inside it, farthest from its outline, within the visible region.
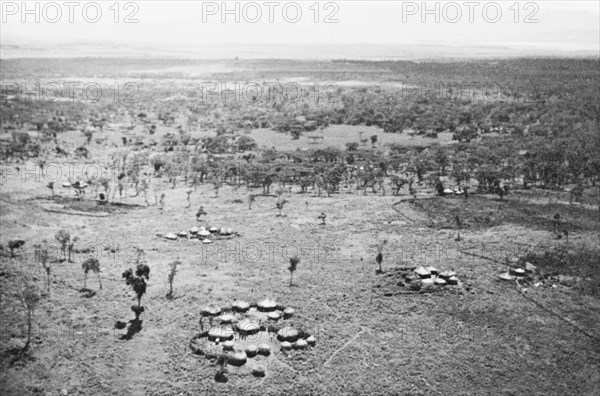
(481, 335)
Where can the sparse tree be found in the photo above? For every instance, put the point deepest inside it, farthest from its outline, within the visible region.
(89, 134)
(137, 282)
(279, 206)
(72, 247)
(63, 238)
(501, 191)
(43, 255)
(50, 186)
(279, 192)
(379, 260)
(352, 146)
(411, 190)
(439, 186)
(379, 257)
(31, 296)
(459, 224)
(556, 222)
(91, 264)
(162, 201)
(294, 261)
(172, 271)
(217, 185)
(322, 217)
(15, 244)
(222, 361)
(188, 193)
(201, 212)
(398, 182)
(373, 140)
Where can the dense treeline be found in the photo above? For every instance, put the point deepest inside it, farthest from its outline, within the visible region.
(528, 121)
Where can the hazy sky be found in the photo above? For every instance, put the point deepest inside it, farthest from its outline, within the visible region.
(568, 24)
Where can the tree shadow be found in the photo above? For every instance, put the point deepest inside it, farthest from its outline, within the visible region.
(135, 326)
(17, 355)
(221, 377)
(87, 293)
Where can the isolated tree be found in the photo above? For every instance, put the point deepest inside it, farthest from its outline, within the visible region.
(15, 244)
(439, 186)
(50, 186)
(441, 159)
(91, 264)
(31, 296)
(222, 361)
(217, 185)
(373, 140)
(556, 222)
(279, 206)
(459, 224)
(322, 217)
(500, 191)
(79, 189)
(398, 182)
(379, 257)
(379, 260)
(89, 134)
(137, 282)
(162, 201)
(411, 190)
(352, 146)
(43, 255)
(172, 271)
(72, 247)
(294, 261)
(188, 193)
(63, 238)
(201, 212)
(279, 192)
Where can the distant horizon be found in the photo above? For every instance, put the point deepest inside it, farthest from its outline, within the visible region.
(299, 51)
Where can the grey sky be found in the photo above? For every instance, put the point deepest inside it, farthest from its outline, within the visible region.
(564, 24)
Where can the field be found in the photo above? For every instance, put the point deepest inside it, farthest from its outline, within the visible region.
(375, 334)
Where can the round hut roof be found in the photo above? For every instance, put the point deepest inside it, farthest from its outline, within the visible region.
(247, 326)
(288, 334)
(267, 305)
(241, 305)
(220, 332)
(203, 233)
